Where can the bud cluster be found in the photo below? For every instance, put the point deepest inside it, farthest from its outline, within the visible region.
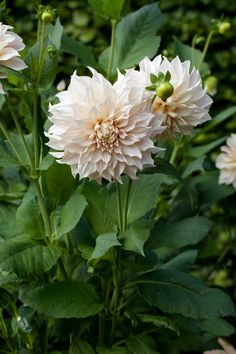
(46, 14)
(161, 85)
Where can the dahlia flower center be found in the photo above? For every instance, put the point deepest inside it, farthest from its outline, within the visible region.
(106, 134)
(160, 106)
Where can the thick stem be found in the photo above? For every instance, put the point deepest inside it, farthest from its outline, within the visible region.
(43, 209)
(35, 128)
(126, 206)
(112, 49)
(174, 153)
(115, 297)
(119, 207)
(41, 53)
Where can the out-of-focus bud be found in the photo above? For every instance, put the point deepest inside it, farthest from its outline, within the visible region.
(46, 14)
(224, 27)
(164, 90)
(47, 17)
(211, 83)
(61, 86)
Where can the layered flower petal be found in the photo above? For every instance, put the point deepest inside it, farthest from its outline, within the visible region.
(184, 109)
(98, 131)
(226, 162)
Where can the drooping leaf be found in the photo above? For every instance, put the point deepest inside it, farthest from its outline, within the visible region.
(71, 213)
(106, 8)
(185, 232)
(135, 38)
(177, 292)
(217, 326)
(134, 238)
(159, 321)
(104, 242)
(194, 166)
(26, 257)
(141, 343)
(55, 33)
(69, 299)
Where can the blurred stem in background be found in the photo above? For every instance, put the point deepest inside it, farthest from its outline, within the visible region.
(112, 48)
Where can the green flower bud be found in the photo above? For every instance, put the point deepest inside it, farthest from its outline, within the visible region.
(47, 17)
(224, 27)
(164, 90)
(211, 83)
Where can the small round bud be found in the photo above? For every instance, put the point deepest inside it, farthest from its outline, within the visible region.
(164, 90)
(47, 17)
(211, 83)
(224, 27)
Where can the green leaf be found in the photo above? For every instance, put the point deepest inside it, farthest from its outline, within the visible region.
(112, 350)
(181, 233)
(176, 292)
(159, 321)
(107, 8)
(219, 118)
(135, 38)
(134, 238)
(103, 243)
(26, 257)
(60, 183)
(69, 299)
(182, 262)
(204, 149)
(55, 33)
(217, 326)
(79, 50)
(194, 166)
(100, 208)
(71, 213)
(164, 167)
(141, 344)
(28, 216)
(185, 52)
(8, 225)
(80, 346)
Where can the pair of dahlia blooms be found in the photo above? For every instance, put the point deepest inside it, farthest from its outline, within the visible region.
(103, 130)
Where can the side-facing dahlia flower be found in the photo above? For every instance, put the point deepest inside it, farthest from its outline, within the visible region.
(10, 45)
(186, 104)
(226, 162)
(98, 132)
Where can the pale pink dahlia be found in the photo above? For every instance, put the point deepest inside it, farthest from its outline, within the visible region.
(10, 45)
(98, 132)
(226, 162)
(187, 105)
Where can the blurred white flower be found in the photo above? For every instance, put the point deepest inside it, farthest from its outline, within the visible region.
(98, 132)
(10, 45)
(228, 349)
(1, 89)
(187, 103)
(226, 162)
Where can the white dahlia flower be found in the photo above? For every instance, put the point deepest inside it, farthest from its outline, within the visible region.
(226, 162)
(186, 104)
(10, 45)
(98, 132)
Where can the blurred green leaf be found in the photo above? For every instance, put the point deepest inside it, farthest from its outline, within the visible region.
(141, 343)
(80, 346)
(182, 262)
(79, 50)
(204, 149)
(107, 8)
(219, 118)
(104, 242)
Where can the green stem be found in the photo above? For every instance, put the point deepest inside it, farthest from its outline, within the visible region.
(205, 49)
(115, 297)
(62, 269)
(41, 53)
(119, 206)
(35, 128)
(125, 218)
(43, 209)
(18, 127)
(174, 153)
(112, 49)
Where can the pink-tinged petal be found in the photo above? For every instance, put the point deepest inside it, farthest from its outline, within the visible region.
(15, 64)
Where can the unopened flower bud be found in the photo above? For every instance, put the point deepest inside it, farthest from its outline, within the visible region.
(47, 17)
(164, 90)
(211, 83)
(224, 27)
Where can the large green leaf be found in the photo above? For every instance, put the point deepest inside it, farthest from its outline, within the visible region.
(217, 326)
(79, 50)
(8, 225)
(107, 8)
(79, 346)
(26, 257)
(69, 299)
(176, 292)
(104, 242)
(135, 38)
(181, 233)
(134, 238)
(182, 262)
(28, 216)
(71, 213)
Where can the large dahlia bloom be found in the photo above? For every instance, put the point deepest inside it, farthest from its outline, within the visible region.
(98, 132)
(188, 104)
(226, 162)
(10, 45)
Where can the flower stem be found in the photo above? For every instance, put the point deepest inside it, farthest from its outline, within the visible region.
(174, 153)
(35, 128)
(41, 53)
(115, 297)
(205, 49)
(112, 49)
(126, 206)
(119, 206)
